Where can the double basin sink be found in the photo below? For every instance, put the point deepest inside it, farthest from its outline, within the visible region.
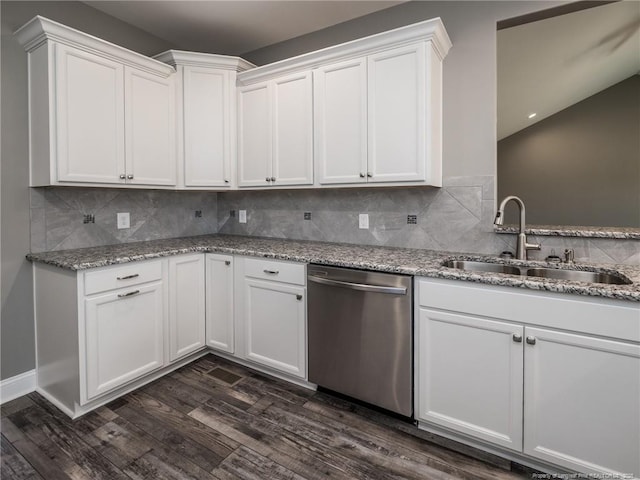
(539, 272)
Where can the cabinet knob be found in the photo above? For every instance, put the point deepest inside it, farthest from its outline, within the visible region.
(362, 175)
(273, 179)
(123, 176)
(369, 174)
(531, 340)
(268, 179)
(298, 297)
(130, 177)
(227, 262)
(517, 338)
(226, 181)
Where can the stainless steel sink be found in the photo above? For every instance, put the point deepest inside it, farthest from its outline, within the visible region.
(578, 276)
(482, 267)
(540, 272)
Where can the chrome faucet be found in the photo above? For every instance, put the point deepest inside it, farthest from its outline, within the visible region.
(522, 246)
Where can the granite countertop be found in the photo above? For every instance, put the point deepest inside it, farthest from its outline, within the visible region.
(408, 261)
(619, 233)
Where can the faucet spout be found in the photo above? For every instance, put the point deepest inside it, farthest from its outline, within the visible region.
(522, 246)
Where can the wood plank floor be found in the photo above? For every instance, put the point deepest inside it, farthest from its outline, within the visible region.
(213, 419)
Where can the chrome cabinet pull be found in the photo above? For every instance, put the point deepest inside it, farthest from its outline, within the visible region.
(517, 338)
(271, 272)
(369, 174)
(123, 176)
(226, 181)
(273, 179)
(227, 262)
(531, 340)
(362, 175)
(127, 277)
(130, 177)
(122, 295)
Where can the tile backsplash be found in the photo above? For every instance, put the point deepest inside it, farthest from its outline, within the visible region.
(57, 215)
(457, 217)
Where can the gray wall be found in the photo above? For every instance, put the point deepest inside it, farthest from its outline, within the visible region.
(580, 166)
(16, 324)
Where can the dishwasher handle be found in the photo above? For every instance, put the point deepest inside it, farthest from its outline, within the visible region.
(359, 286)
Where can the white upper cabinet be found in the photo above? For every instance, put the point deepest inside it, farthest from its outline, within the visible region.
(206, 113)
(275, 138)
(89, 115)
(150, 128)
(377, 108)
(340, 122)
(98, 113)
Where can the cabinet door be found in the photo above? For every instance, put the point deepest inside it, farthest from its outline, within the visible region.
(206, 128)
(397, 114)
(254, 136)
(275, 326)
(186, 305)
(293, 130)
(124, 336)
(582, 402)
(150, 128)
(340, 122)
(469, 376)
(89, 117)
(219, 286)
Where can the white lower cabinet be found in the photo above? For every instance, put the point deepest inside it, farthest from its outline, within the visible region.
(219, 302)
(582, 401)
(271, 314)
(550, 376)
(186, 305)
(471, 376)
(124, 335)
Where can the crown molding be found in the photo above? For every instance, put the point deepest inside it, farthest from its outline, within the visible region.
(39, 30)
(195, 59)
(431, 31)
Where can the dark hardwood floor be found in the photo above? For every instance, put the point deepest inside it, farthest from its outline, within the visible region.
(213, 419)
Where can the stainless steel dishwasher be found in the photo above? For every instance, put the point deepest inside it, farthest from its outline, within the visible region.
(361, 335)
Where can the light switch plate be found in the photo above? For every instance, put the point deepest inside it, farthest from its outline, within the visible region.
(363, 220)
(123, 220)
(242, 216)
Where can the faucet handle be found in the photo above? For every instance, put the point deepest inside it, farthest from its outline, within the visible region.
(532, 246)
(569, 255)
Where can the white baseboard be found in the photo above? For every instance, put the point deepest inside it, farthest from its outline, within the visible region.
(14, 387)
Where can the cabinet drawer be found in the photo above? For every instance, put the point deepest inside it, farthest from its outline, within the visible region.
(111, 278)
(285, 272)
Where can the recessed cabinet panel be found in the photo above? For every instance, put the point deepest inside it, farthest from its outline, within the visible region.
(275, 326)
(186, 304)
(470, 376)
(293, 131)
(220, 311)
(582, 402)
(397, 126)
(150, 128)
(206, 127)
(340, 116)
(124, 336)
(254, 136)
(90, 117)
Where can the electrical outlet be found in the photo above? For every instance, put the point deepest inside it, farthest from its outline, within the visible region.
(198, 213)
(363, 220)
(412, 219)
(242, 216)
(123, 220)
(307, 215)
(89, 219)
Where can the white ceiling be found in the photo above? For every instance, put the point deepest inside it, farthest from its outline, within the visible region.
(546, 66)
(235, 27)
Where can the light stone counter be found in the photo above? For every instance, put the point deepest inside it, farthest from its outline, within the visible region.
(408, 261)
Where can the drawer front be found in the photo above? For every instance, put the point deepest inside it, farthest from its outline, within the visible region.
(286, 272)
(120, 276)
